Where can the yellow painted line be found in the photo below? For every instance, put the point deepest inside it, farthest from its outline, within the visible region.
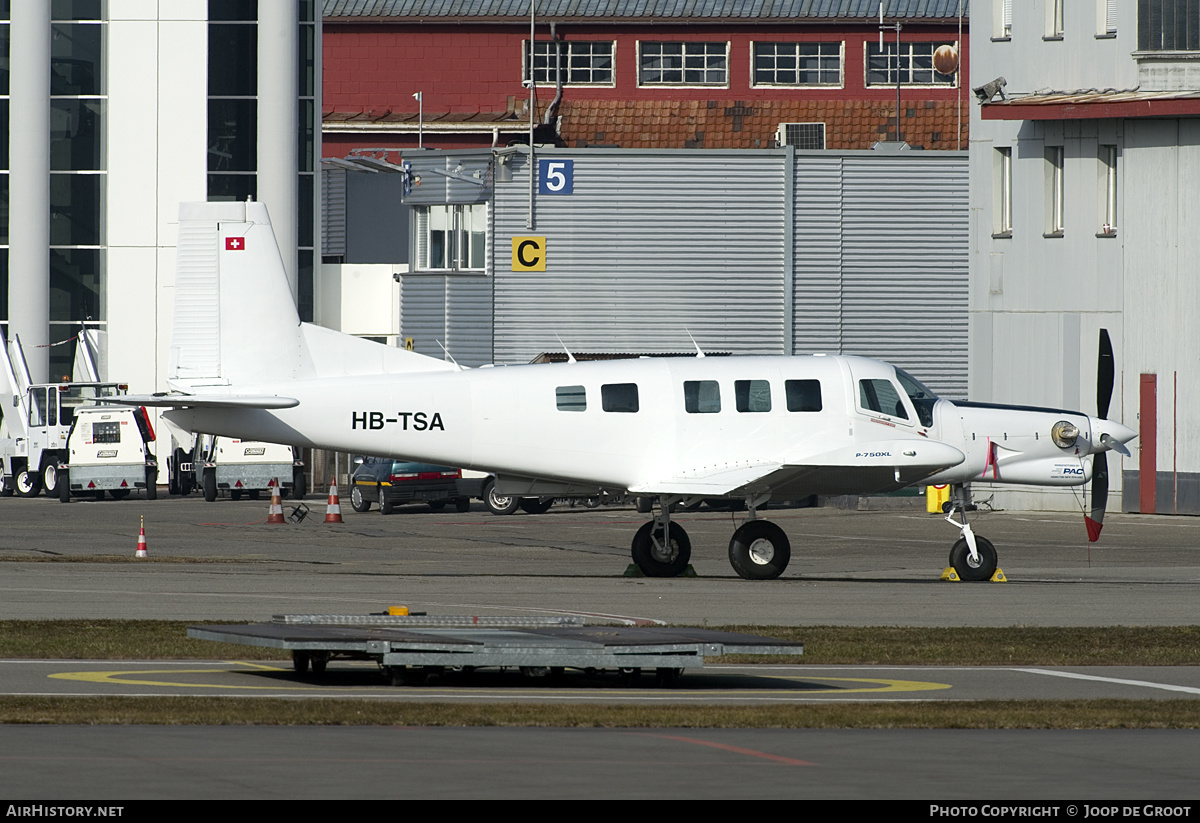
(130, 678)
(125, 678)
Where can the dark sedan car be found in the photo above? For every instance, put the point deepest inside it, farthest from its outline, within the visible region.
(392, 483)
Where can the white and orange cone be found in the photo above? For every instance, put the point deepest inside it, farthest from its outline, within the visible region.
(275, 513)
(141, 544)
(333, 509)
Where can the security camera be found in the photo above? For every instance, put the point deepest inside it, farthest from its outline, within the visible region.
(987, 91)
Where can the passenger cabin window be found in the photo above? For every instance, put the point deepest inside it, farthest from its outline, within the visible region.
(803, 395)
(752, 395)
(619, 397)
(701, 396)
(881, 396)
(571, 398)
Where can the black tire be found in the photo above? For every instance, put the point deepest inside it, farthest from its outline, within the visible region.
(50, 477)
(235, 494)
(462, 505)
(299, 484)
(759, 550)
(385, 505)
(300, 662)
(499, 503)
(151, 482)
(27, 483)
(210, 485)
(645, 505)
(357, 501)
(655, 562)
(960, 559)
(437, 505)
(535, 505)
(6, 485)
(253, 494)
(118, 494)
(64, 487)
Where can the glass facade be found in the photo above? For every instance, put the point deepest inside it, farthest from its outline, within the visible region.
(78, 89)
(5, 41)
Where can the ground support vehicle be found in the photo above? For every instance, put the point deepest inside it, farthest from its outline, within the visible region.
(37, 418)
(409, 649)
(108, 451)
(389, 483)
(226, 465)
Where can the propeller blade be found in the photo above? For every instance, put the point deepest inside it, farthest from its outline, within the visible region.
(1099, 496)
(1105, 375)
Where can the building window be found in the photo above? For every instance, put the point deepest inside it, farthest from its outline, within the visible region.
(1054, 20)
(1002, 201)
(683, 64)
(798, 64)
(1002, 19)
(232, 100)
(451, 238)
(1168, 25)
(580, 62)
(1106, 18)
(915, 66)
(701, 396)
(1054, 191)
(1108, 181)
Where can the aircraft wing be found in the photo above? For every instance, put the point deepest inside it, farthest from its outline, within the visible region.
(177, 400)
(862, 469)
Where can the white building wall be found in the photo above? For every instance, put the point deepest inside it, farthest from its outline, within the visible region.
(1037, 302)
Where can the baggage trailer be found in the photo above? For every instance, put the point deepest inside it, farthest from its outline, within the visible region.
(410, 648)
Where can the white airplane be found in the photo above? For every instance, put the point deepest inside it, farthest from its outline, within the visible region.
(679, 429)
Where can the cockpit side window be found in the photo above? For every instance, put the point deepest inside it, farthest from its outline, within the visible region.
(922, 398)
(881, 396)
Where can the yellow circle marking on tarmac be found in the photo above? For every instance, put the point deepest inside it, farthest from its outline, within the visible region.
(877, 685)
(123, 678)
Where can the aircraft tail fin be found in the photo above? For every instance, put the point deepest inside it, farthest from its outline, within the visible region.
(235, 320)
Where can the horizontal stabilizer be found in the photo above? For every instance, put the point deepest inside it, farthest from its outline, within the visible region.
(176, 400)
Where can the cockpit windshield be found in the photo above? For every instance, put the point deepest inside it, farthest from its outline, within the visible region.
(922, 398)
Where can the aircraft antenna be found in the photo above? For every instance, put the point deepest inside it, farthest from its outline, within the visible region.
(449, 355)
(570, 357)
(699, 351)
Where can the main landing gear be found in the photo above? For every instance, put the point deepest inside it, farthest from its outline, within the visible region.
(758, 550)
(973, 558)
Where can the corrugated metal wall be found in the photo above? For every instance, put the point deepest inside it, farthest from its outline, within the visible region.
(881, 260)
(455, 309)
(649, 247)
(654, 245)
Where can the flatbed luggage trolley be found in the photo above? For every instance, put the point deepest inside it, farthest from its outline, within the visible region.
(410, 648)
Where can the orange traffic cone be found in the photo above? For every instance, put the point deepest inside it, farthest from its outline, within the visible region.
(275, 513)
(141, 546)
(333, 509)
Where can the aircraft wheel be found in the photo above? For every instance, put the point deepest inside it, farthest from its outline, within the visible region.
(499, 503)
(759, 550)
(645, 505)
(27, 483)
(535, 505)
(982, 569)
(357, 501)
(658, 560)
(64, 487)
(210, 485)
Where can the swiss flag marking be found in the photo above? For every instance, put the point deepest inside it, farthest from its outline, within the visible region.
(235, 243)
